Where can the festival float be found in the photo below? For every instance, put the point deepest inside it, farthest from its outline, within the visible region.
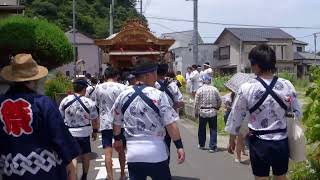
(135, 40)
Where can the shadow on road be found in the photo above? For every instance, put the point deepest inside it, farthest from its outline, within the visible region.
(183, 178)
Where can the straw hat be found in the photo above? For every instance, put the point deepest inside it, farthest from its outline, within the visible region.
(23, 68)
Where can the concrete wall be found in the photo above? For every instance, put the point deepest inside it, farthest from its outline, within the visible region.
(283, 42)
(186, 56)
(88, 53)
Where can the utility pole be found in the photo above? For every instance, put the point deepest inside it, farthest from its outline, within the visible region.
(315, 46)
(195, 31)
(141, 7)
(111, 18)
(74, 37)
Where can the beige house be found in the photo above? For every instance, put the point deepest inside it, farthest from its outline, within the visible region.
(234, 45)
(88, 57)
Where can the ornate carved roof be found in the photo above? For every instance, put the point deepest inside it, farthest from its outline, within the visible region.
(135, 35)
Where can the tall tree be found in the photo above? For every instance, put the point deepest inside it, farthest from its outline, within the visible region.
(92, 15)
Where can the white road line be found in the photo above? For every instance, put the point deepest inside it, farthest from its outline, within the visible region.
(102, 172)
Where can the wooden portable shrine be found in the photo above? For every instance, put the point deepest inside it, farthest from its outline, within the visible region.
(134, 40)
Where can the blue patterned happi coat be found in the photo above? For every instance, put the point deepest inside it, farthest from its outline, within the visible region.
(34, 142)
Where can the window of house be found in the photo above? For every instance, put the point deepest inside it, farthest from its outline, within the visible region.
(216, 54)
(280, 51)
(67, 73)
(224, 52)
(299, 49)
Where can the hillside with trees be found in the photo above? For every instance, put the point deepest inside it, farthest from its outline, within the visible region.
(92, 15)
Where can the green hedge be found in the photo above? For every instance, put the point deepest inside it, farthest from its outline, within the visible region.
(45, 41)
(56, 85)
(219, 81)
(311, 121)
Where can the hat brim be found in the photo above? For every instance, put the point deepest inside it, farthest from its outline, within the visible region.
(8, 75)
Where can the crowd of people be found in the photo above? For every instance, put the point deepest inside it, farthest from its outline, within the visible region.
(138, 119)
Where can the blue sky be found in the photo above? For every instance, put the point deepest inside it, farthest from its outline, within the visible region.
(262, 12)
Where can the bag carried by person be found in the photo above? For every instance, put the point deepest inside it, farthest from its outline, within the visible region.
(297, 141)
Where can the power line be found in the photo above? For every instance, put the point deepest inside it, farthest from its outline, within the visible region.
(309, 35)
(161, 25)
(208, 37)
(230, 24)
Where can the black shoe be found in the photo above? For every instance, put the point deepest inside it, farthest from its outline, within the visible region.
(201, 147)
(213, 150)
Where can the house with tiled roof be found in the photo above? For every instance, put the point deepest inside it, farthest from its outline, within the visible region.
(88, 56)
(304, 60)
(234, 45)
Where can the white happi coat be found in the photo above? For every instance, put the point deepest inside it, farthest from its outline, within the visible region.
(270, 115)
(105, 95)
(144, 128)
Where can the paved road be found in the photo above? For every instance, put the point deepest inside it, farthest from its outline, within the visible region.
(199, 165)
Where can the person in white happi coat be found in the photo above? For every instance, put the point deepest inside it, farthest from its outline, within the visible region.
(145, 112)
(106, 94)
(267, 100)
(195, 79)
(79, 112)
(171, 89)
(91, 89)
(188, 80)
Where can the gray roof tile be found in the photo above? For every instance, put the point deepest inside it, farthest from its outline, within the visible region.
(80, 38)
(183, 38)
(304, 56)
(259, 34)
(299, 42)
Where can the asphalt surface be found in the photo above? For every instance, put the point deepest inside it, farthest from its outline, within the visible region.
(199, 164)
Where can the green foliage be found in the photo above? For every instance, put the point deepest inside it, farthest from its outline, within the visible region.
(305, 171)
(58, 84)
(92, 15)
(45, 41)
(311, 169)
(219, 81)
(311, 115)
(298, 83)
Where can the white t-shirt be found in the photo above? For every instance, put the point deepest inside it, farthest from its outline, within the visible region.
(195, 80)
(208, 71)
(144, 128)
(76, 116)
(201, 75)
